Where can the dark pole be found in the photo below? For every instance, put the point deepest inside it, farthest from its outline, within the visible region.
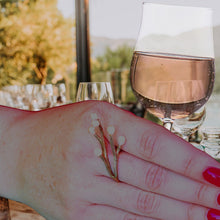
(82, 41)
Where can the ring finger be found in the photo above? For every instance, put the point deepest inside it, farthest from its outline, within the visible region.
(100, 212)
(138, 202)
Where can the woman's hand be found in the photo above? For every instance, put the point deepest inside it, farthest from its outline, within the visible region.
(161, 176)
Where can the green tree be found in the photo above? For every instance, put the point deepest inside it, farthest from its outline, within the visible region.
(114, 66)
(34, 38)
(113, 59)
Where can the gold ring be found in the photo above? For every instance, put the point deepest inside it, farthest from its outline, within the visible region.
(97, 130)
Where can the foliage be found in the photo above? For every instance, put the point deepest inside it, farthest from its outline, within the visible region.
(113, 59)
(3, 3)
(114, 66)
(34, 38)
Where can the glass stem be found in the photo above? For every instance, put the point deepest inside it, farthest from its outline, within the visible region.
(168, 123)
(185, 137)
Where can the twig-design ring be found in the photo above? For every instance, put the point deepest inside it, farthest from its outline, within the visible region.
(97, 130)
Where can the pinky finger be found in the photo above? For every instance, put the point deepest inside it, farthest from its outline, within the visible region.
(102, 212)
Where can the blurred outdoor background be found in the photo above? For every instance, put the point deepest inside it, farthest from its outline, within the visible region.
(38, 46)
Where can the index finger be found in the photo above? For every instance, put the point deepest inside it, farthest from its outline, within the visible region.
(153, 143)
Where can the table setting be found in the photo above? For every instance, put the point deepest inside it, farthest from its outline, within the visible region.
(33, 97)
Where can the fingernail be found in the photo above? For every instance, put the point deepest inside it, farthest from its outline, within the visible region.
(213, 214)
(212, 175)
(218, 199)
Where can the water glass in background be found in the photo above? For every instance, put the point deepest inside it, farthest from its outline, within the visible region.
(29, 95)
(47, 96)
(95, 91)
(59, 94)
(13, 96)
(211, 142)
(5, 99)
(33, 97)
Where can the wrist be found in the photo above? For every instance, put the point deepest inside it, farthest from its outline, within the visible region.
(11, 121)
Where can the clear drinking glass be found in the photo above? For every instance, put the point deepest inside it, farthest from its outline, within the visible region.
(47, 95)
(172, 69)
(15, 100)
(95, 91)
(211, 142)
(59, 94)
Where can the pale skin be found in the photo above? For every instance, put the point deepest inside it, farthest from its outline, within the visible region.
(47, 161)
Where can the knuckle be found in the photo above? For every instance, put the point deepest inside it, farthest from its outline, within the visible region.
(188, 166)
(155, 177)
(149, 146)
(191, 212)
(201, 192)
(128, 216)
(98, 107)
(147, 203)
(195, 212)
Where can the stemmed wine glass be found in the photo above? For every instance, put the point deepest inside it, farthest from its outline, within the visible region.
(95, 91)
(185, 127)
(172, 69)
